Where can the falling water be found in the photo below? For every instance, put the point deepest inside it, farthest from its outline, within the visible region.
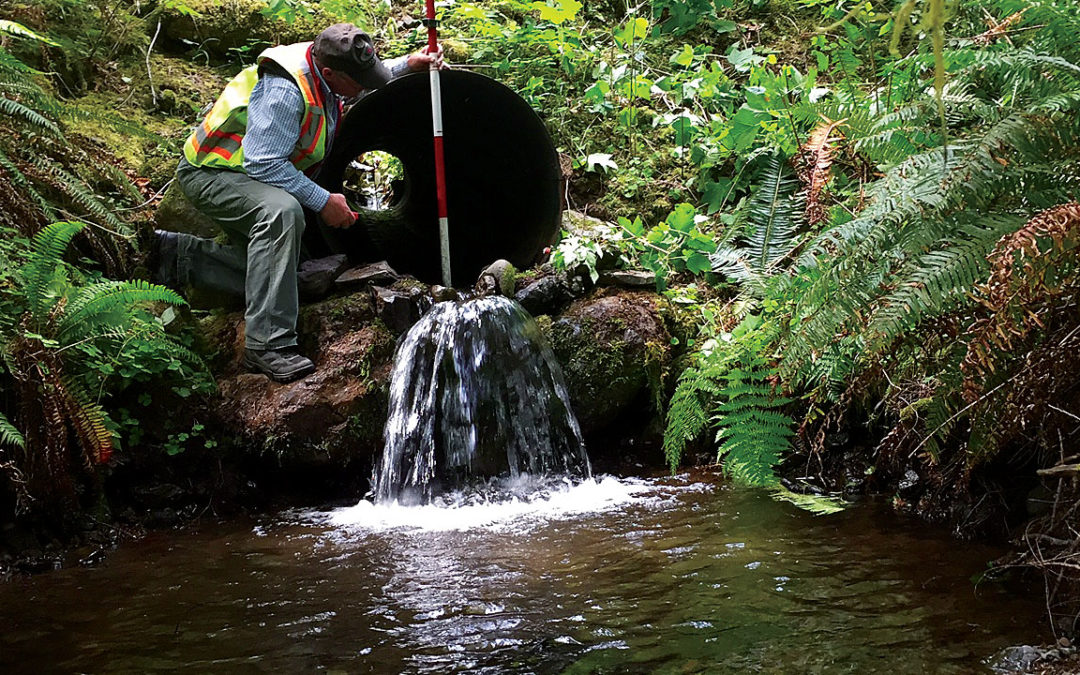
(475, 393)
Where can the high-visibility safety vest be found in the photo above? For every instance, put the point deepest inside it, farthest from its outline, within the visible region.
(218, 141)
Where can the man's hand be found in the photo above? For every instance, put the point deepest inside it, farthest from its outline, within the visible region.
(422, 60)
(337, 213)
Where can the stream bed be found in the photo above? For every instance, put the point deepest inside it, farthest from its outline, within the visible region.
(642, 576)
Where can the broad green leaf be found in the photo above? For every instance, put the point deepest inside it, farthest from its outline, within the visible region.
(743, 59)
(597, 93)
(557, 11)
(685, 57)
(714, 193)
(698, 263)
(682, 218)
(633, 33)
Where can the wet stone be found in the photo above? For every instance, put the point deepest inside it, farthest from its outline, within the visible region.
(548, 295)
(378, 273)
(399, 310)
(498, 277)
(315, 277)
(910, 480)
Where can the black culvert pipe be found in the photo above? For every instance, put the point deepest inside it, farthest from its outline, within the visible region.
(502, 174)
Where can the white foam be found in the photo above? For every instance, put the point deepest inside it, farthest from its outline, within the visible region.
(591, 496)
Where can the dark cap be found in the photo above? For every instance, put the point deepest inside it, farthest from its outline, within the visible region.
(347, 49)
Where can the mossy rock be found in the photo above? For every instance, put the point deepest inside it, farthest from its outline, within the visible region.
(237, 27)
(613, 348)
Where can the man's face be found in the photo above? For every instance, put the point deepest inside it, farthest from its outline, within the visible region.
(341, 84)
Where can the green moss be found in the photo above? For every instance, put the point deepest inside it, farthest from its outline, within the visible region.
(237, 29)
(656, 361)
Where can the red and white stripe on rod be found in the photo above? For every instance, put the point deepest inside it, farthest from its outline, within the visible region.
(437, 128)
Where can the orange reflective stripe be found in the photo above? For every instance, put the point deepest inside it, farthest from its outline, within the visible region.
(218, 150)
(310, 149)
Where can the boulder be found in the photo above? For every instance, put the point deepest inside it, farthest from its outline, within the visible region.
(614, 349)
(550, 294)
(332, 417)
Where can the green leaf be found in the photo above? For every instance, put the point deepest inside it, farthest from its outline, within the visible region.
(634, 32)
(743, 59)
(698, 263)
(634, 227)
(558, 11)
(714, 193)
(682, 218)
(685, 57)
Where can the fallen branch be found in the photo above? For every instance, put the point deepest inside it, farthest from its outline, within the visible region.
(1060, 470)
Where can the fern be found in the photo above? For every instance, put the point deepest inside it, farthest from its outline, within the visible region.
(774, 214)
(937, 281)
(9, 435)
(731, 390)
(753, 435)
(66, 322)
(78, 192)
(14, 109)
(45, 274)
(108, 306)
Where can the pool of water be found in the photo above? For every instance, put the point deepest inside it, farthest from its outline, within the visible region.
(641, 576)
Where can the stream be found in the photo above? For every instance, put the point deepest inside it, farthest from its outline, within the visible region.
(679, 575)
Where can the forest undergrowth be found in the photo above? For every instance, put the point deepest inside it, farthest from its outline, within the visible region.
(871, 209)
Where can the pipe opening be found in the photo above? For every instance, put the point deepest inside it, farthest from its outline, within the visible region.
(502, 178)
(376, 181)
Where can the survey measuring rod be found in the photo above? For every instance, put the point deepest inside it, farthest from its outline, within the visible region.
(437, 128)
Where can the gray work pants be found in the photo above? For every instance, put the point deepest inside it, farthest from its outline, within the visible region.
(264, 225)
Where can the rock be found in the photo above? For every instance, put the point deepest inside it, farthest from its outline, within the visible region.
(218, 28)
(160, 495)
(582, 225)
(498, 277)
(613, 350)
(176, 214)
(319, 420)
(444, 294)
(376, 273)
(314, 277)
(398, 309)
(547, 295)
(328, 419)
(626, 279)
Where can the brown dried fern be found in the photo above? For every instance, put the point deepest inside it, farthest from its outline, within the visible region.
(1030, 271)
(814, 165)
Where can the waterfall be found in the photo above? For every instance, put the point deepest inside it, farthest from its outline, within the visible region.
(475, 392)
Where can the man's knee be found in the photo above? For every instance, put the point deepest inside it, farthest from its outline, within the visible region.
(285, 212)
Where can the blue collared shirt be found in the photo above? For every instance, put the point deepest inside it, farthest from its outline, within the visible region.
(275, 110)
